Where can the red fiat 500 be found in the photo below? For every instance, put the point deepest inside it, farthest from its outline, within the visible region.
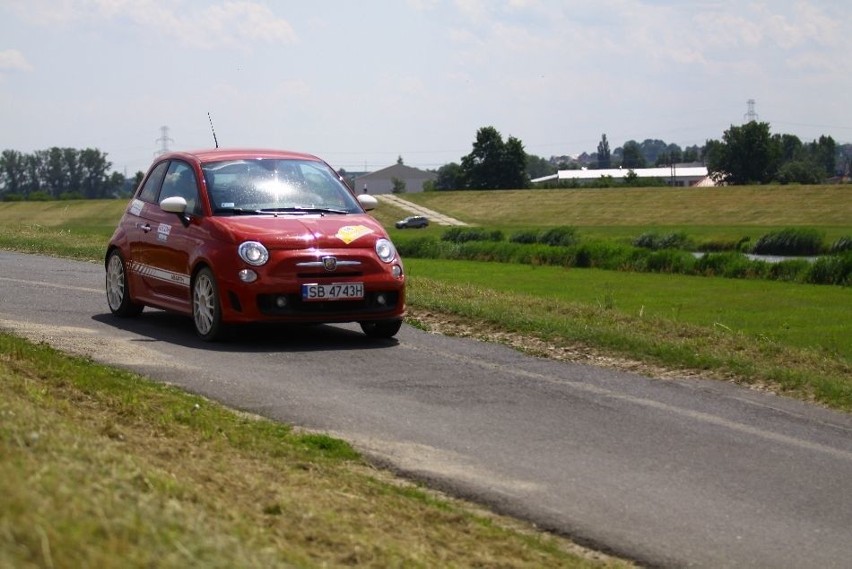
(235, 236)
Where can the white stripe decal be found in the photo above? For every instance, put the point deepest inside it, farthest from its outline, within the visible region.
(160, 274)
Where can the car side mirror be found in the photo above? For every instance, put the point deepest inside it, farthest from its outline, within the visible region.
(367, 201)
(176, 205)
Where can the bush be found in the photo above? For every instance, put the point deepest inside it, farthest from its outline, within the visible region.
(671, 261)
(654, 241)
(525, 237)
(558, 236)
(732, 265)
(465, 234)
(831, 269)
(39, 196)
(716, 246)
(791, 241)
(792, 270)
(421, 247)
(609, 255)
(602, 255)
(841, 245)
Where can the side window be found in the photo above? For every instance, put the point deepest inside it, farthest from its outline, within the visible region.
(180, 181)
(151, 188)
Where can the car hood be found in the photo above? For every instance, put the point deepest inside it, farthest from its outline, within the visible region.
(303, 232)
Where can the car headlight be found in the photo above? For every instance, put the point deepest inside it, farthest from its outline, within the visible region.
(253, 253)
(385, 250)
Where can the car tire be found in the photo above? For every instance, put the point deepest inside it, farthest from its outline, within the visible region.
(117, 288)
(381, 328)
(206, 306)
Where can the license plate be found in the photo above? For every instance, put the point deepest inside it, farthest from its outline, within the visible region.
(333, 291)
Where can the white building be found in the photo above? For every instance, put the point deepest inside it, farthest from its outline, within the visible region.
(678, 175)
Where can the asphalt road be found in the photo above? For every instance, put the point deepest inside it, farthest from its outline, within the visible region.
(667, 472)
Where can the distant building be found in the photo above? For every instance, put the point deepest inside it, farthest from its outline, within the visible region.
(685, 175)
(382, 181)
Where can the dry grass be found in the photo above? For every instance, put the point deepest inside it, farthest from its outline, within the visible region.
(750, 205)
(100, 468)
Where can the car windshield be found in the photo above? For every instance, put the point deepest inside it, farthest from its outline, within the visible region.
(268, 185)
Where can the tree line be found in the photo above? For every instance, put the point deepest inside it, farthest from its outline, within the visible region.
(59, 173)
(747, 154)
(751, 154)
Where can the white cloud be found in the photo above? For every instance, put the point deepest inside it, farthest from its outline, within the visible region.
(12, 59)
(230, 23)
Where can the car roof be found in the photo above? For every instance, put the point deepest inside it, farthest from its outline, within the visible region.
(223, 154)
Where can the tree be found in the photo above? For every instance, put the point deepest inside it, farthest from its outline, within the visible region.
(692, 153)
(398, 185)
(57, 173)
(12, 172)
(604, 155)
(449, 177)
(493, 164)
(746, 155)
(824, 153)
(651, 150)
(631, 155)
(538, 167)
(671, 155)
(800, 172)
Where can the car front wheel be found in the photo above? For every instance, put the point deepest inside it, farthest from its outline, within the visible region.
(381, 328)
(117, 289)
(206, 309)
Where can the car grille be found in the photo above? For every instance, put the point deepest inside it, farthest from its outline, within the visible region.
(267, 304)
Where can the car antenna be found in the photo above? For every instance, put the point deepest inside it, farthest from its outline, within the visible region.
(214, 130)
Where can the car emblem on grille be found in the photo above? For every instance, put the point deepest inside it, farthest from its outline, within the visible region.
(329, 263)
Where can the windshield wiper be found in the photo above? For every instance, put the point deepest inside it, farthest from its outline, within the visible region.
(241, 211)
(304, 209)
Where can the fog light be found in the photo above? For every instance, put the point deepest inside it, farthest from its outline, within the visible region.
(396, 271)
(281, 301)
(247, 275)
(381, 300)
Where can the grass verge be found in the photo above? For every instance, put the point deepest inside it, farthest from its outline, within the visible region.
(101, 468)
(789, 338)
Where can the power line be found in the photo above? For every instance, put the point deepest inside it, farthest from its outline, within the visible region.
(164, 141)
(750, 116)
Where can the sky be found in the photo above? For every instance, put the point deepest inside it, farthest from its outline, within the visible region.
(361, 83)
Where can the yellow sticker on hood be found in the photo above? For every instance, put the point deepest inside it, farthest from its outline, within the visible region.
(350, 233)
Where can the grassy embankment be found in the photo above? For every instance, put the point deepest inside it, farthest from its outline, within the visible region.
(102, 468)
(708, 214)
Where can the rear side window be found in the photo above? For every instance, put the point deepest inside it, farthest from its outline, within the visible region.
(151, 188)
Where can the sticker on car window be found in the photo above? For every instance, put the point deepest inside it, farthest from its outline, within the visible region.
(136, 207)
(350, 233)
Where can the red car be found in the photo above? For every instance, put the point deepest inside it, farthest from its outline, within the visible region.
(238, 236)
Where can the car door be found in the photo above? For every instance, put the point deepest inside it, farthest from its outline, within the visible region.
(139, 226)
(174, 238)
(165, 241)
